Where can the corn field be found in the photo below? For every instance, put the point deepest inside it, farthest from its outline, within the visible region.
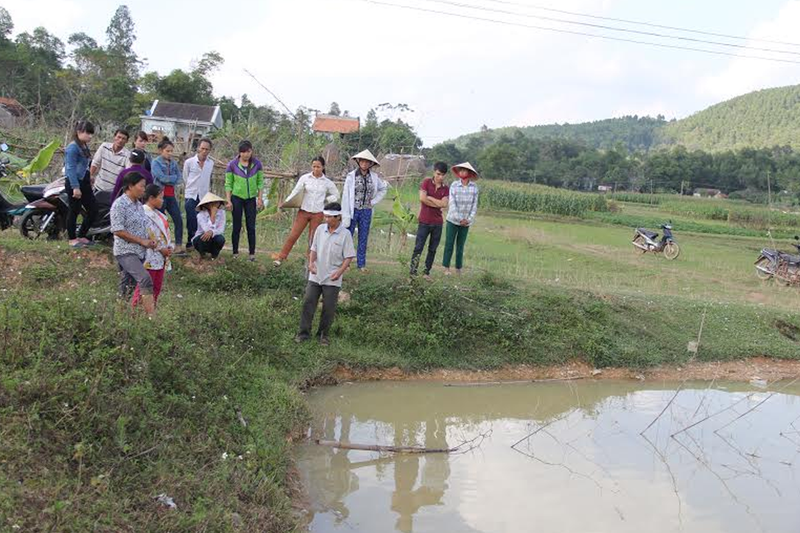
(742, 215)
(539, 199)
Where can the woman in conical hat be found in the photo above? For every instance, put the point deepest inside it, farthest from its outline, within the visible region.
(210, 235)
(471, 172)
(363, 189)
(461, 211)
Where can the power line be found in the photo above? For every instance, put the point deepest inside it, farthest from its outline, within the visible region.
(614, 28)
(583, 34)
(642, 23)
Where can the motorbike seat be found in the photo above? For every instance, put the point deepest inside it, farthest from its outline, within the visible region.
(33, 192)
(646, 232)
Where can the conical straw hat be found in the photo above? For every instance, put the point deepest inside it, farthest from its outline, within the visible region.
(210, 198)
(466, 166)
(366, 154)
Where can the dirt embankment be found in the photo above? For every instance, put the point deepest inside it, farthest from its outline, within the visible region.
(757, 368)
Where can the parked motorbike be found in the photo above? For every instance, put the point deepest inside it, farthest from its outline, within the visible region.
(8, 209)
(645, 241)
(785, 268)
(48, 215)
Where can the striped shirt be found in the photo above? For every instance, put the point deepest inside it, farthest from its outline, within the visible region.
(110, 165)
(463, 202)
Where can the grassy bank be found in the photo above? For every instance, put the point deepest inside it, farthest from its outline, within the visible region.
(101, 411)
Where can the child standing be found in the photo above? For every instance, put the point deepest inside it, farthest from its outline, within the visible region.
(167, 175)
(156, 261)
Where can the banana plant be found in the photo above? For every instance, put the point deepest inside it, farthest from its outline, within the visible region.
(402, 216)
(41, 161)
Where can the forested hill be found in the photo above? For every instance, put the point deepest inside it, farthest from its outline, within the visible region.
(761, 119)
(633, 132)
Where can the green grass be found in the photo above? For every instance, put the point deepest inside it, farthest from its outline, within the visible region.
(101, 411)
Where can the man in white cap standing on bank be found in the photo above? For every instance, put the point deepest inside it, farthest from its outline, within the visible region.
(331, 253)
(363, 189)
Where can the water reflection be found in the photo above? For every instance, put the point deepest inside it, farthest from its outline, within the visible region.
(579, 448)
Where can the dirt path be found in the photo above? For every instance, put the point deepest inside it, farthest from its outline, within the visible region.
(760, 368)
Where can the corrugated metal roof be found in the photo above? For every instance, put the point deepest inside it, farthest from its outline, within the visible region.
(334, 124)
(188, 112)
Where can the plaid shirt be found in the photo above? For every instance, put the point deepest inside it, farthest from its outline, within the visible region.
(463, 202)
(128, 215)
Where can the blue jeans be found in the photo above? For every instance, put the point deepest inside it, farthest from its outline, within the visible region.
(362, 218)
(171, 206)
(190, 206)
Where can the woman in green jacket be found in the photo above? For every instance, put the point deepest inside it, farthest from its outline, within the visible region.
(244, 179)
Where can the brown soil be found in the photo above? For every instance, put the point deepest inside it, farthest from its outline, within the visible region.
(761, 368)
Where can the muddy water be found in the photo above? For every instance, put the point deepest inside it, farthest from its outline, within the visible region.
(580, 463)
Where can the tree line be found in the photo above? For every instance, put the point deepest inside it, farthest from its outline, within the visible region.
(58, 82)
(749, 173)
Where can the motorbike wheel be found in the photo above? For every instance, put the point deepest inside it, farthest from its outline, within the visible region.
(29, 225)
(638, 240)
(672, 250)
(763, 270)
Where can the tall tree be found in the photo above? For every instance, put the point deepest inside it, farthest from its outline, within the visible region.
(6, 23)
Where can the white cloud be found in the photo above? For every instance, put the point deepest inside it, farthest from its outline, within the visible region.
(60, 17)
(744, 75)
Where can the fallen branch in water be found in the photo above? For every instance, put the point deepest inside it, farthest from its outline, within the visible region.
(381, 448)
(485, 383)
(464, 447)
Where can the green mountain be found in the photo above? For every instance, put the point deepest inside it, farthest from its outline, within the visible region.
(634, 132)
(761, 119)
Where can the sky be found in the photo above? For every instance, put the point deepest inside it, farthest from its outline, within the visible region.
(456, 74)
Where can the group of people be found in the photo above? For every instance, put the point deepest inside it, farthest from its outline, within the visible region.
(145, 191)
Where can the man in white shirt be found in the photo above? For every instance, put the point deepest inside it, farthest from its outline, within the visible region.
(197, 173)
(109, 160)
(331, 254)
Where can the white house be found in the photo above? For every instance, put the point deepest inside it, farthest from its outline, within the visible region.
(179, 122)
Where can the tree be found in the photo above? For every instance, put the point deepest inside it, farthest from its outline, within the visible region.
(447, 152)
(192, 87)
(334, 110)
(210, 62)
(6, 24)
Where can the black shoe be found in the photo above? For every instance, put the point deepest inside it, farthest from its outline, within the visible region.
(300, 338)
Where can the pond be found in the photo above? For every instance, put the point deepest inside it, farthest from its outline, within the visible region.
(589, 456)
